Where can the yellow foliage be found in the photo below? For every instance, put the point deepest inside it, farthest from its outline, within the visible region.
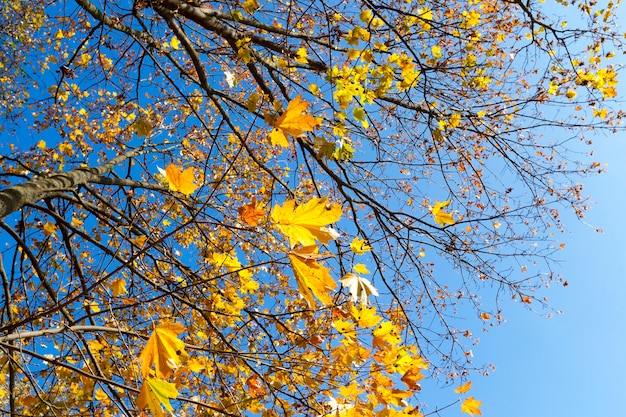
(153, 393)
(307, 223)
(470, 406)
(180, 181)
(294, 121)
(313, 279)
(163, 350)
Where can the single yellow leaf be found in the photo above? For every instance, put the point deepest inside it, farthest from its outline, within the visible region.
(294, 122)
(464, 388)
(155, 392)
(118, 286)
(485, 316)
(359, 247)
(41, 144)
(175, 43)
(162, 347)
(307, 223)
(441, 217)
(360, 269)
(313, 279)
(470, 406)
(180, 181)
(50, 229)
(139, 241)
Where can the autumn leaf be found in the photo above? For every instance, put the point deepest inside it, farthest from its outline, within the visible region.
(142, 127)
(441, 217)
(360, 269)
(470, 406)
(231, 263)
(180, 181)
(50, 229)
(251, 213)
(411, 378)
(307, 223)
(155, 392)
(255, 386)
(294, 121)
(118, 286)
(163, 349)
(464, 388)
(365, 316)
(359, 287)
(359, 247)
(313, 279)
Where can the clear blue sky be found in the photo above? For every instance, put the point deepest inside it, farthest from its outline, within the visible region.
(573, 364)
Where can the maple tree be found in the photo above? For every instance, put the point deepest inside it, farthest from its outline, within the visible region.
(342, 184)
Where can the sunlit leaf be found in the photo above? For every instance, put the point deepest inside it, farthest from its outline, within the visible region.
(464, 388)
(162, 349)
(313, 279)
(154, 393)
(359, 247)
(118, 287)
(470, 406)
(441, 217)
(293, 122)
(180, 181)
(360, 288)
(307, 223)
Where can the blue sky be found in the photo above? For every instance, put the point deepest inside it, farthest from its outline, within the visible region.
(572, 364)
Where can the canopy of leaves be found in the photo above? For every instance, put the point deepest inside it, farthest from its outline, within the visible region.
(419, 153)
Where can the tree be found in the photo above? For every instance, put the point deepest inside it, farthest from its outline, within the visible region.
(282, 208)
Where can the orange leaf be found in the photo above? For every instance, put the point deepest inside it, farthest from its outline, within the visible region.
(163, 350)
(180, 181)
(294, 121)
(411, 378)
(307, 223)
(255, 386)
(470, 406)
(464, 388)
(251, 213)
(312, 277)
(155, 392)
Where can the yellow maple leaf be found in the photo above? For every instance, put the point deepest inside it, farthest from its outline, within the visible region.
(359, 247)
(441, 217)
(313, 278)
(470, 406)
(180, 181)
(175, 43)
(307, 223)
(365, 316)
(50, 229)
(464, 388)
(231, 263)
(294, 121)
(163, 349)
(155, 392)
(118, 286)
(360, 269)
(251, 213)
